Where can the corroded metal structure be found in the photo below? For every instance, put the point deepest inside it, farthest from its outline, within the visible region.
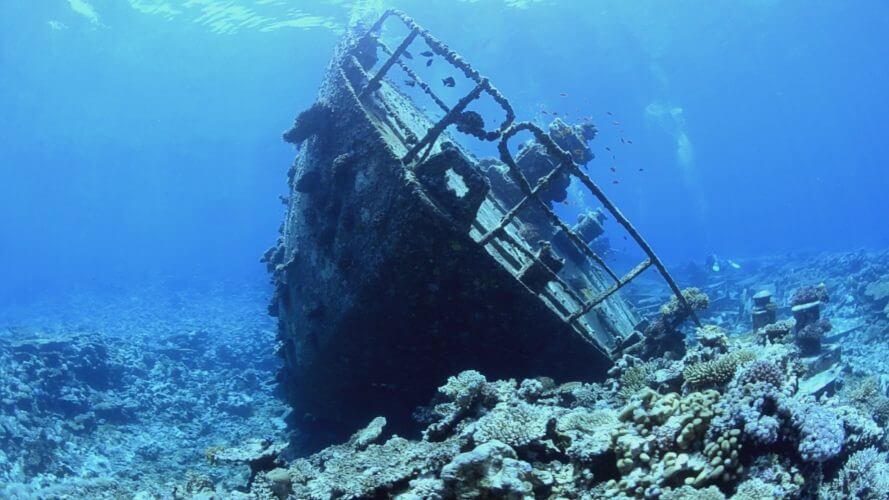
(401, 260)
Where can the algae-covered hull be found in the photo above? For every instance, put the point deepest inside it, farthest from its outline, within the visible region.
(404, 259)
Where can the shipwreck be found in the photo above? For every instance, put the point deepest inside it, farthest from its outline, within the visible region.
(405, 258)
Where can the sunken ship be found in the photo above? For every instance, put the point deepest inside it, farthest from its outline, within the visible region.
(405, 257)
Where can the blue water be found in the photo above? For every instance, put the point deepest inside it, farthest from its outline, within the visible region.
(141, 139)
(141, 164)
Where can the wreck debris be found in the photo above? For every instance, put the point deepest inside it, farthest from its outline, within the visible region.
(765, 312)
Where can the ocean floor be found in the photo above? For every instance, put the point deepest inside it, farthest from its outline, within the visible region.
(159, 395)
(128, 394)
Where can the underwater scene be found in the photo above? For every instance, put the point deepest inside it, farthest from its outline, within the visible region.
(444, 249)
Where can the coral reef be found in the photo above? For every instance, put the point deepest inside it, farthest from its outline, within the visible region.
(756, 436)
(107, 397)
(724, 416)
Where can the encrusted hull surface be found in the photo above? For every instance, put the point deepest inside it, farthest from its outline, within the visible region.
(383, 288)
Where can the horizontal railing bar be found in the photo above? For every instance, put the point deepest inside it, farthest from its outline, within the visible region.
(630, 276)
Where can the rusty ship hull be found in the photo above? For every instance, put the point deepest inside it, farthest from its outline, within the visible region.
(398, 265)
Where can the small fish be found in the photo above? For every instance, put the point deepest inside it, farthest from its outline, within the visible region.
(622, 141)
(408, 54)
(555, 114)
(613, 169)
(607, 149)
(427, 53)
(615, 123)
(615, 182)
(410, 83)
(429, 63)
(563, 94)
(609, 113)
(629, 141)
(641, 169)
(734, 264)
(544, 111)
(625, 236)
(449, 81)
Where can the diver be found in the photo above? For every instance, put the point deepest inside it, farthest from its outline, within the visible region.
(716, 265)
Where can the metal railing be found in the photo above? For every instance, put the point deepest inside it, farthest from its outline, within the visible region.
(565, 164)
(504, 132)
(452, 114)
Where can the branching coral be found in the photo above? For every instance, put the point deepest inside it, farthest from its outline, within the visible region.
(775, 332)
(516, 425)
(587, 432)
(868, 396)
(717, 372)
(636, 378)
(712, 336)
(460, 397)
(696, 299)
(865, 475)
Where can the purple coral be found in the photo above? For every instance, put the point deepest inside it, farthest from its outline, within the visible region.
(809, 293)
(809, 337)
(821, 433)
(756, 404)
(762, 371)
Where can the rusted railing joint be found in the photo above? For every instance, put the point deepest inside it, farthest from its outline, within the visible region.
(374, 82)
(442, 124)
(416, 78)
(451, 57)
(565, 159)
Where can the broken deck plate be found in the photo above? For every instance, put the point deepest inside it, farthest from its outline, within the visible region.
(398, 264)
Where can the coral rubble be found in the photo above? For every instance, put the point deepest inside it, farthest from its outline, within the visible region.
(120, 397)
(730, 418)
